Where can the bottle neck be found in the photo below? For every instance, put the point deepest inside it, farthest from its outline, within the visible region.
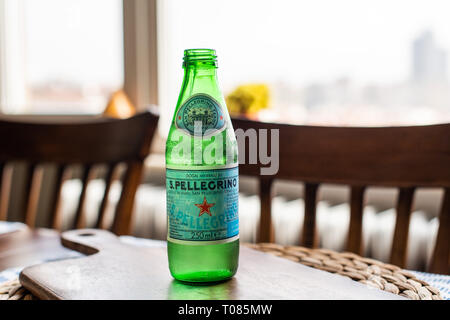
(201, 72)
(200, 79)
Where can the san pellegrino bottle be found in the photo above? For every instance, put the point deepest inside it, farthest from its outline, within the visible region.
(202, 177)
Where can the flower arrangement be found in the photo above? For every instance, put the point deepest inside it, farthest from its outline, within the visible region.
(248, 99)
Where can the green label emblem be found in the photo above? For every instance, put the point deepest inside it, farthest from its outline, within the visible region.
(200, 109)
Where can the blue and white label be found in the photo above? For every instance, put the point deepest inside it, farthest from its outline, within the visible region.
(202, 205)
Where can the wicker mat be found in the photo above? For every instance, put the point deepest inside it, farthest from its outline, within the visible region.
(13, 290)
(368, 271)
(371, 272)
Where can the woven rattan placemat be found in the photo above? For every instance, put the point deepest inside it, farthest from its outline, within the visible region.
(13, 290)
(371, 272)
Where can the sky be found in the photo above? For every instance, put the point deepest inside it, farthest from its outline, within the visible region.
(76, 40)
(306, 41)
(299, 42)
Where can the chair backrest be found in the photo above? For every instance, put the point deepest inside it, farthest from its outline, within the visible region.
(100, 141)
(401, 157)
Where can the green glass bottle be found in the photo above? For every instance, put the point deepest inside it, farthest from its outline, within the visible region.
(202, 177)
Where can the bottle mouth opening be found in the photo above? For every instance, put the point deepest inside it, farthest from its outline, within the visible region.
(200, 56)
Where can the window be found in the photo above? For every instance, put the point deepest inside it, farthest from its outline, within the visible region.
(63, 56)
(347, 62)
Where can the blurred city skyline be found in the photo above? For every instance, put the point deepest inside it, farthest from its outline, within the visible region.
(421, 98)
(326, 61)
(313, 54)
(428, 72)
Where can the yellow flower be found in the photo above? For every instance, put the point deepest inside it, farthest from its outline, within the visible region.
(248, 99)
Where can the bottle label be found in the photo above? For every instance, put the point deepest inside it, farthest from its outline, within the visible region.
(200, 109)
(202, 205)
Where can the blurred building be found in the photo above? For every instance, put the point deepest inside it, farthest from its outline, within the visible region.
(429, 61)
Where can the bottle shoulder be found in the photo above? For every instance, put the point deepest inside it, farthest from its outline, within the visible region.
(201, 131)
(218, 150)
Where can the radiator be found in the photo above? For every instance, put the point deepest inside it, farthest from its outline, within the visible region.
(149, 221)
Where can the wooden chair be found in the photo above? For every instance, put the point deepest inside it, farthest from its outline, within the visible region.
(401, 157)
(100, 141)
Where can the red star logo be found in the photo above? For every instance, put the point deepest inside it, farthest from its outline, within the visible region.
(205, 207)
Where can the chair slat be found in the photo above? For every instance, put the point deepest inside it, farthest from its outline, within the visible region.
(80, 217)
(122, 219)
(441, 256)
(400, 240)
(266, 231)
(354, 239)
(55, 219)
(309, 238)
(5, 189)
(109, 178)
(33, 186)
(28, 184)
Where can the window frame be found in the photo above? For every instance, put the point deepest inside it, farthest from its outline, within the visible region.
(12, 66)
(140, 52)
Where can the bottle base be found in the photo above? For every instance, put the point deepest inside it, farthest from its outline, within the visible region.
(203, 263)
(200, 277)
